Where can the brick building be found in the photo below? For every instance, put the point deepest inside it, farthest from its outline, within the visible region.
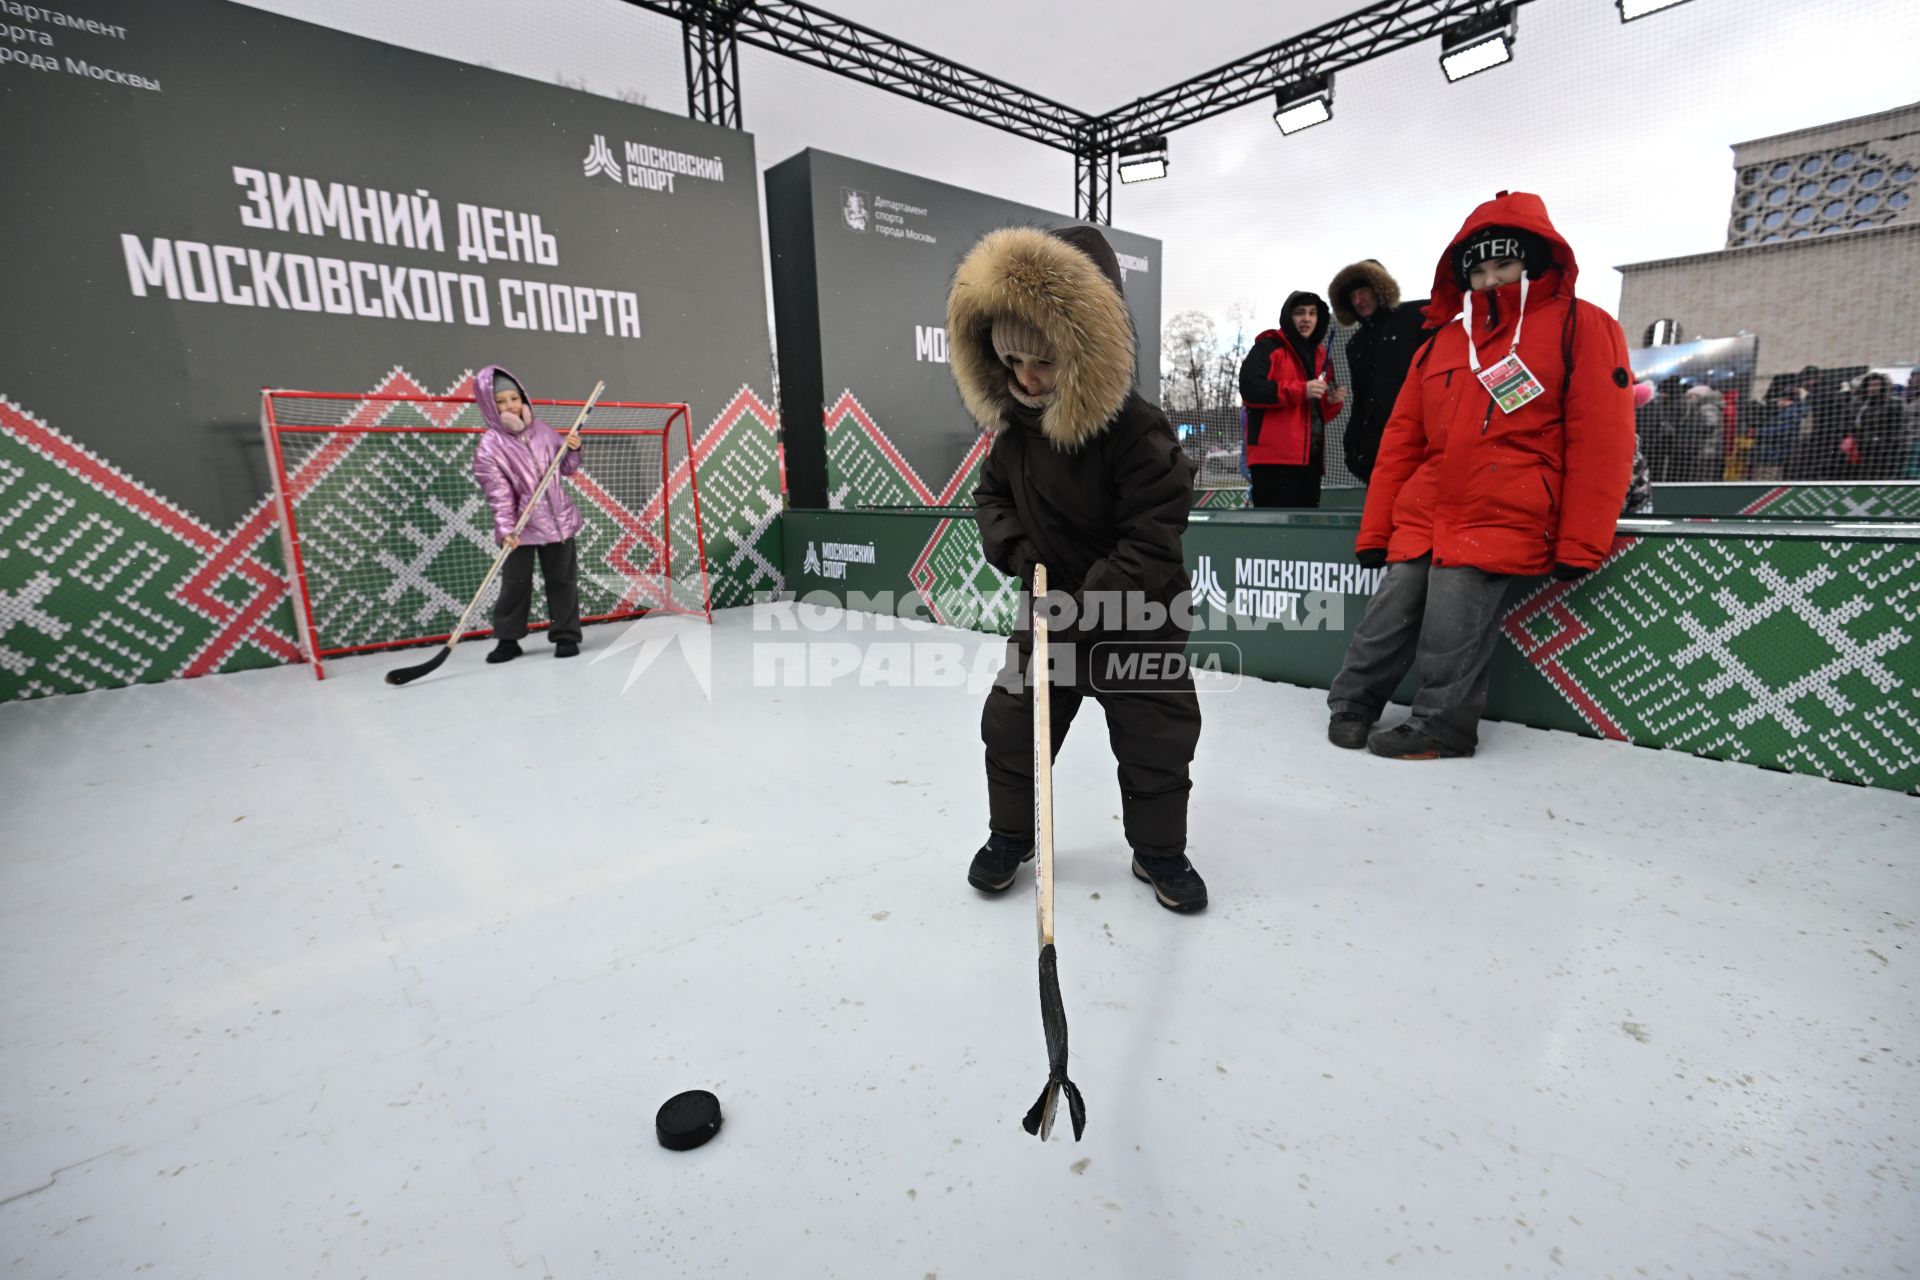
(1823, 252)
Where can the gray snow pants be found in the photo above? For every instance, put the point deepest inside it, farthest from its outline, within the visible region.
(1444, 620)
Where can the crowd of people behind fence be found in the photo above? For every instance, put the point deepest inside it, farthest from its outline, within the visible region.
(1824, 425)
(1818, 424)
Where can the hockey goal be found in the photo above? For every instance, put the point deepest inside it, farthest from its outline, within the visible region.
(387, 535)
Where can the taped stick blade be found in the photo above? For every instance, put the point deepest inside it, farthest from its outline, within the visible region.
(407, 675)
(1053, 1019)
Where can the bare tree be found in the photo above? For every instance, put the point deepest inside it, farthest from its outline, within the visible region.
(1224, 389)
(1188, 348)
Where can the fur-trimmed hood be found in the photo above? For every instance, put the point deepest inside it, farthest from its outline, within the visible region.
(1369, 273)
(1065, 284)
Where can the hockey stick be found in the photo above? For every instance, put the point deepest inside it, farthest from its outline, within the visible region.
(405, 675)
(1053, 1014)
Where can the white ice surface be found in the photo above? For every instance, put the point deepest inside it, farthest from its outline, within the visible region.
(337, 980)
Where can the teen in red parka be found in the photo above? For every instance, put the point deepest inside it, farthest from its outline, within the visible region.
(1509, 493)
(1469, 493)
(1286, 385)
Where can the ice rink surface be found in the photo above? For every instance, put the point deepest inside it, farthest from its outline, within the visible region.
(338, 980)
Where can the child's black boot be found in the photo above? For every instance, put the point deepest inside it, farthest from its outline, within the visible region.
(998, 862)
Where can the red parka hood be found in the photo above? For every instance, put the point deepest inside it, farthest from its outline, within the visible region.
(1521, 209)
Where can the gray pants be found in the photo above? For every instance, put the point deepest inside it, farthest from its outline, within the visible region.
(1448, 621)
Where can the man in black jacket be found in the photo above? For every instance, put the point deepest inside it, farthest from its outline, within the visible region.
(1087, 478)
(1386, 333)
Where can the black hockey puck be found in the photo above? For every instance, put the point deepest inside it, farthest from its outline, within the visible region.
(687, 1120)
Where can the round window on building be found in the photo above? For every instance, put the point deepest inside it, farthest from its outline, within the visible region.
(1808, 190)
(1771, 239)
(1803, 215)
(1777, 196)
(1843, 159)
(1747, 199)
(1776, 218)
(1904, 174)
(1831, 230)
(1872, 178)
(1748, 223)
(1899, 200)
(1838, 185)
(1866, 204)
(1863, 226)
(1811, 164)
(1835, 209)
(1782, 171)
(1750, 176)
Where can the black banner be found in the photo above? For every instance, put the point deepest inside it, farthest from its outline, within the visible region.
(861, 261)
(204, 199)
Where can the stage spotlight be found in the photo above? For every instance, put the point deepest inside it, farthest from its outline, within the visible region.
(1631, 9)
(1303, 104)
(1145, 160)
(1478, 43)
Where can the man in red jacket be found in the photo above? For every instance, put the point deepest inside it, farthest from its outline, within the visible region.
(1287, 388)
(1507, 455)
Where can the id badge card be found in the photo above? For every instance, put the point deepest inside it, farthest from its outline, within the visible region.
(1510, 383)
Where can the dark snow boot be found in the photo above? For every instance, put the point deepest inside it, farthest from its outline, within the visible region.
(1349, 729)
(1410, 742)
(1175, 882)
(566, 649)
(998, 862)
(505, 651)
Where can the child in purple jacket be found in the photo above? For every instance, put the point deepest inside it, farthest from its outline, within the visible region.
(513, 455)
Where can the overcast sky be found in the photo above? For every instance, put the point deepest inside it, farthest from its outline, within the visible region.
(1624, 129)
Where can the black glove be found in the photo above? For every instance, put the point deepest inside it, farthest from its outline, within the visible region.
(1372, 557)
(1569, 573)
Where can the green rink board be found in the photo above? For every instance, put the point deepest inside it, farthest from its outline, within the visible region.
(1793, 646)
(1888, 500)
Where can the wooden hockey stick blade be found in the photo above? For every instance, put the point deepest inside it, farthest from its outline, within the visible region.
(405, 674)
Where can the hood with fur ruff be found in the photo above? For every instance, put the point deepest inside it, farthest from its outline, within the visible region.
(1066, 284)
(1385, 288)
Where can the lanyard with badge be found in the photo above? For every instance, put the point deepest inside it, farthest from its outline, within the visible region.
(1508, 381)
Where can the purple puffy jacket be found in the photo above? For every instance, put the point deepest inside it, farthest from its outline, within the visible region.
(509, 468)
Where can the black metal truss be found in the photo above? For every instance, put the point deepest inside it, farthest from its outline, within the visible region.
(709, 34)
(1361, 36)
(1093, 182)
(713, 29)
(820, 39)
